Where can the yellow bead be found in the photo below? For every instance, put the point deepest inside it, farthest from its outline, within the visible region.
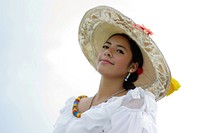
(78, 115)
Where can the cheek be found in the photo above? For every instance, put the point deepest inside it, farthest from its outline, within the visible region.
(123, 64)
(100, 53)
(98, 57)
(125, 61)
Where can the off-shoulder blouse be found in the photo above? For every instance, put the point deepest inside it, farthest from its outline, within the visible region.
(134, 112)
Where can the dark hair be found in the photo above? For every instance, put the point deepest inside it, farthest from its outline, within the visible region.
(136, 58)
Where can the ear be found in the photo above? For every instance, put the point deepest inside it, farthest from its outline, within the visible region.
(133, 67)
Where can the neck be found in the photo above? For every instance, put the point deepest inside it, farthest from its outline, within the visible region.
(108, 87)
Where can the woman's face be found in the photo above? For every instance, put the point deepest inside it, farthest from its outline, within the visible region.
(114, 57)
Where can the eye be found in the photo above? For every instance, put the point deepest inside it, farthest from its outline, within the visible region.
(105, 47)
(120, 51)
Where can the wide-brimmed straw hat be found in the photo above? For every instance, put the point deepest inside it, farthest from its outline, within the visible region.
(99, 23)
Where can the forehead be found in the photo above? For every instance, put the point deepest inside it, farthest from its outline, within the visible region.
(119, 40)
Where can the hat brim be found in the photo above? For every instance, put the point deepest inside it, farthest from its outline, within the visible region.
(99, 23)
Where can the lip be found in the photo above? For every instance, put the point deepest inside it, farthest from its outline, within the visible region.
(106, 61)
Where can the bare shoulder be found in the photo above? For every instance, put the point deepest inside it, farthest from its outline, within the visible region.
(84, 104)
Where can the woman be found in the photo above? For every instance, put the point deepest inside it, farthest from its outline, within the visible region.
(134, 75)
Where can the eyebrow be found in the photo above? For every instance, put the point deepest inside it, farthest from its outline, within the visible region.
(117, 45)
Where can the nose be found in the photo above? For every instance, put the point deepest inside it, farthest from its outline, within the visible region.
(108, 53)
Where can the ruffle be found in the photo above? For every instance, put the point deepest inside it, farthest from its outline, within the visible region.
(65, 117)
(100, 118)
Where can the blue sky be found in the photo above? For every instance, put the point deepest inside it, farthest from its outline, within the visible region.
(42, 64)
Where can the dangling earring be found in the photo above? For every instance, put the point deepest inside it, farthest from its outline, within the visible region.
(126, 79)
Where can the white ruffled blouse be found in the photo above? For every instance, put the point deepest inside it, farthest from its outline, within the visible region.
(134, 112)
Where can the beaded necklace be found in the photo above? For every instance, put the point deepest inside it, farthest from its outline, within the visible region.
(75, 106)
(75, 111)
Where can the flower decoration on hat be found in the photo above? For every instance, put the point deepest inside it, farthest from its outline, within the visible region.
(139, 71)
(146, 30)
(174, 86)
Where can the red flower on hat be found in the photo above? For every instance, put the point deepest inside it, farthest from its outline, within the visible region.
(148, 31)
(139, 71)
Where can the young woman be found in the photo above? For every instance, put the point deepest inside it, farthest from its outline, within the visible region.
(134, 75)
